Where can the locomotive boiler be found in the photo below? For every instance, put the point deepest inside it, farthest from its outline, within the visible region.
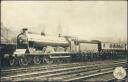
(29, 40)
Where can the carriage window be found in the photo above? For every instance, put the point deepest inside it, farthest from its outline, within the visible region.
(103, 45)
(114, 46)
(121, 46)
(118, 46)
(110, 46)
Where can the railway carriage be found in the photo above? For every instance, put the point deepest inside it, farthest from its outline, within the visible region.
(113, 50)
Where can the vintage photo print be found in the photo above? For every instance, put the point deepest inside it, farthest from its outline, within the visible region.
(63, 41)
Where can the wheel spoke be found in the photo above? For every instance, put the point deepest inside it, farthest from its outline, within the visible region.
(24, 61)
(37, 60)
(11, 61)
(48, 60)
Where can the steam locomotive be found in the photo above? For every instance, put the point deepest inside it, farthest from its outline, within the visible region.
(49, 49)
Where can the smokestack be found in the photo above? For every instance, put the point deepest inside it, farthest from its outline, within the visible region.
(25, 30)
(43, 30)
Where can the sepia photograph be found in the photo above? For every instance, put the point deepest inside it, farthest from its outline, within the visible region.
(60, 41)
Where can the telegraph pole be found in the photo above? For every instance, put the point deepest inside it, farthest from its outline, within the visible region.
(0, 33)
(59, 29)
(0, 24)
(43, 30)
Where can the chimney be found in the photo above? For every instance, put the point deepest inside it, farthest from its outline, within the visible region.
(25, 30)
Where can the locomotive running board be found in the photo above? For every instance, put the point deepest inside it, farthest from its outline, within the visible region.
(52, 54)
(59, 56)
(19, 52)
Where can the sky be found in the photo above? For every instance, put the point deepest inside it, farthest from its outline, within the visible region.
(104, 20)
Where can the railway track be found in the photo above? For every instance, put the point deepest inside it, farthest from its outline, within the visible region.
(94, 73)
(19, 68)
(65, 72)
(76, 74)
(7, 72)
